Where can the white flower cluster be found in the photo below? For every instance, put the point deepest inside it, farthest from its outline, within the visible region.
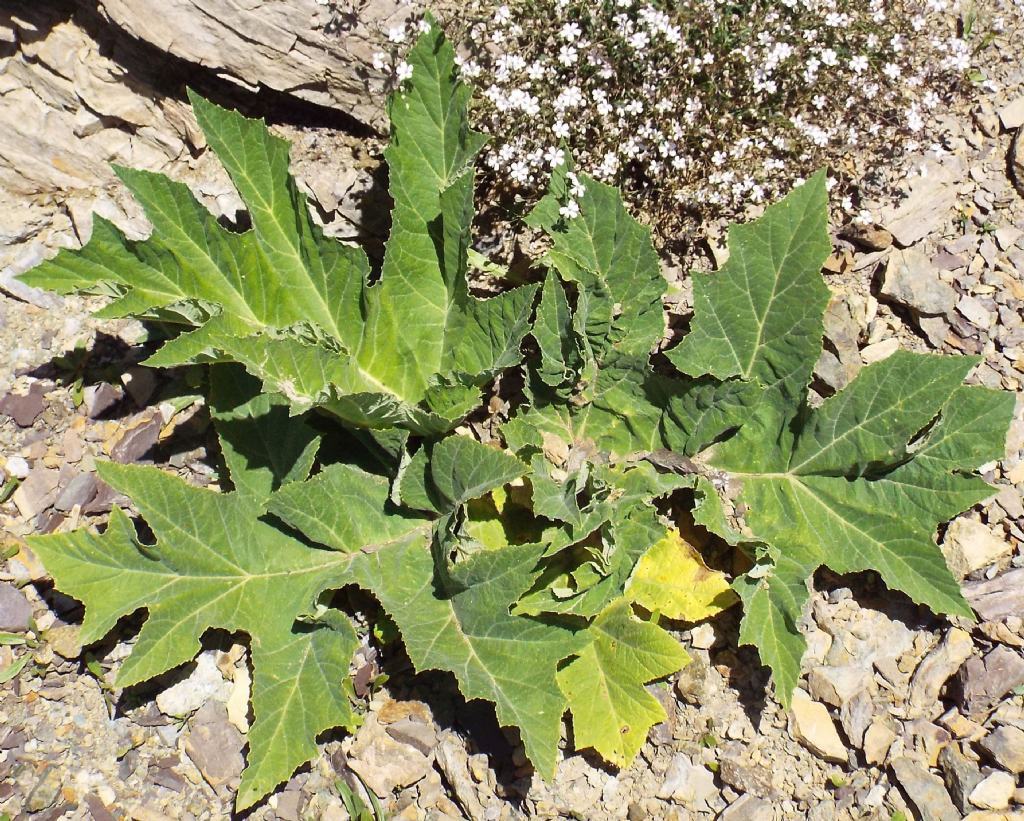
(696, 107)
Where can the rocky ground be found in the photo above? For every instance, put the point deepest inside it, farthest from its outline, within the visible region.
(899, 712)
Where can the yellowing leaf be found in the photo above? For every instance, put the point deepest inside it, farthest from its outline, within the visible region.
(673, 580)
(612, 711)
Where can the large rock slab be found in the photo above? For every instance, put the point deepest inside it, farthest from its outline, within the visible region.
(302, 47)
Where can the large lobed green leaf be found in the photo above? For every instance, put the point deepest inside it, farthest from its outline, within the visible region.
(297, 309)
(217, 563)
(859, 483)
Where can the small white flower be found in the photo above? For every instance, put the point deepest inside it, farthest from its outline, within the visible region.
(859, 64)
(576, 187)
(639, 40)
(864, 217)
(892, 71)
(915, 122)
(567, 55)
(423, 26)
(570, 210)
(560, 130)
(380, 60)
(403, 71)
(554, 156)
(397, 34)
(519, 171)
(829, 57)
(570, 32)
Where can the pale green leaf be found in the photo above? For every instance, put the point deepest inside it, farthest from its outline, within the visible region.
(612, 711)
(295, 698)
(560, 349)
(441, 477)
(760, 316)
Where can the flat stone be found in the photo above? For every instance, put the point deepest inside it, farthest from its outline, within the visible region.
(140, 383)
(687, 783)
(912, 280)
(974, 312)
(836, 685)
(1008, 236)
(15, 611)
(961, 726)
(931, 197)
(945, 261)
(214, 745)
(878, 739)
(1006, 746)
(703, 636)
(925, 791)
(166, 778)
(738, 772)
(960, 774)
(100, 398)
(79, 491)
(969, 545)
(66, 640)
(855, 716)
(812, 726)
(994, 791)
(98, 810)
(17, 466)
(1011, 500)
(188, 695)
(982, 682)
(384, 763)
(935, 328)
(1011, 115)
(137, 439)
(289, 805)
(879, 351)
(936, 669)
(422, 737)
(37, 492)
(997, 598)
(748, 808)
(24, 409)
(102, 501)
